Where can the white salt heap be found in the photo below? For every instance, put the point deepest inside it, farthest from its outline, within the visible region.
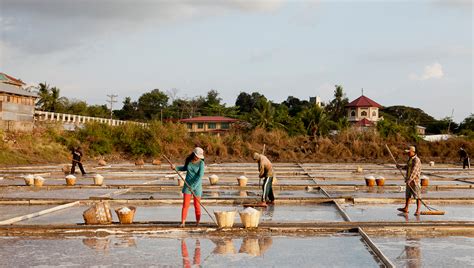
(98, 176)
(370, 177)
(70, 177)
(249, 210)
(124, 210)
(29, 177)
(39, 178)
(380, 178)
(214, 176)
(242, 177)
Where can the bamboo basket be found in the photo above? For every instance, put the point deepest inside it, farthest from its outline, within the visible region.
(370, 182)
(70, 181)
(99, 213)
(425, 181)
(29, 181)
(250, 220)
(213, 179)
(126, 218)
(380, 181)
(38, 182)
(225, 219)
(98, 180)
(242, 181)
(224, 247)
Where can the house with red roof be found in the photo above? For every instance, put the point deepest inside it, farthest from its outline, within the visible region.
(208, 124)
(363, 112)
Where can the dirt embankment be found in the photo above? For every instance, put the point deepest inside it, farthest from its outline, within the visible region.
(50, 145)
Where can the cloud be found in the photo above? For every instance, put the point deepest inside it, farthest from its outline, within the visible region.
(47, 26)
(434, 71)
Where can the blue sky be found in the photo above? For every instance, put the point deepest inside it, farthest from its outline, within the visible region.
(414, 53)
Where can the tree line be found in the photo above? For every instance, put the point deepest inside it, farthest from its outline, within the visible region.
(295, 116)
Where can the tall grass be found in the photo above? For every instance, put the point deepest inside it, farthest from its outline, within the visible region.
(51, 144)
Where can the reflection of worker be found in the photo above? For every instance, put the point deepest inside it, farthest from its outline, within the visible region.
(464, 157)
(185, 255)
(76, 159)
(265, 171)
(412, 180)
(412, 248)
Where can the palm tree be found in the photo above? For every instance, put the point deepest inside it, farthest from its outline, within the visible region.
(265, 117)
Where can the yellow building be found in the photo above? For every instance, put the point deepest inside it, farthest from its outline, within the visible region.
(208, 124)
(363, 112)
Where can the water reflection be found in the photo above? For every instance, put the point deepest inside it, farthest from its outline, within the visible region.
(255, 246)
(223, 246)
(100, 245)
(196, 256)
(411, 252)
(267, 214)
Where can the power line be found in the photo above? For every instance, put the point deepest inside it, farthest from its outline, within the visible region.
(111, 102)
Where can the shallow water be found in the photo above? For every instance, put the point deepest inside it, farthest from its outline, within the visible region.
(42, 192)
(388, 212)
(172, 213)
(258, 251)
(11, 211)
(454, 251)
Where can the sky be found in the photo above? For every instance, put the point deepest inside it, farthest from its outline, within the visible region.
(416, 53)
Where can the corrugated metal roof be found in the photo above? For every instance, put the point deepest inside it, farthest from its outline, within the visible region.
(205, 119)
(363, 101)
(16, 90)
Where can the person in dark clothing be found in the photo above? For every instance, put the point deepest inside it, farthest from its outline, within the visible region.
(464, 157)
(76, 159)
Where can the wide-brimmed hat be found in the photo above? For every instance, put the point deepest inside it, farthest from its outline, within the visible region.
(199, 152)
(410, 149)
(256, 156)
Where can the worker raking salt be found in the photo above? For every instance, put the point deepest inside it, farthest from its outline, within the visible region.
(412, 180)
(265, 169)
(194, 167)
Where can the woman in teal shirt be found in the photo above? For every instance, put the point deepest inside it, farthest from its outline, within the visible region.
(194, 167)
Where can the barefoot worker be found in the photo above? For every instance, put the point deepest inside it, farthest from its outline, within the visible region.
(265, 171)
(194, 167)
(412, 180)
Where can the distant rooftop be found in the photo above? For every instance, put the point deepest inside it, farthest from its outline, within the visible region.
(211, 119)
(7, 79)
(363, 101)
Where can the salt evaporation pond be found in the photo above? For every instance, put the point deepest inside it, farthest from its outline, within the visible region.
(264, 251)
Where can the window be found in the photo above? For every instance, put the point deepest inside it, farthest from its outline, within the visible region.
(190, 126)
(374, 114)
(211, 125)
(225, 125)
(8, 98)
(200, 125)
(364, 113)
(353, 113)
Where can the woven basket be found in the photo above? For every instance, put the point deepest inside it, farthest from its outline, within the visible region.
(126, 218)
(71, 181)
(38, 182)
(98, 180)
(29, 181)
(250, 220)
(213, 179)
(224, 246)
(425, 182)
(99, 213)
(370, 182)
(225, 219)
(242, 181)
(380, 181)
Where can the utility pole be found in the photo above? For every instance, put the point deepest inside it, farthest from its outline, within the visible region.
(111, 102)
(450, 120)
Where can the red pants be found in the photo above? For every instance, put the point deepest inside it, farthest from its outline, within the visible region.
(185, 254)
(197, 208)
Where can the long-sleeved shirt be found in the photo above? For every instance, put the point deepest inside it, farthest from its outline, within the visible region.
(265, 167)
(413, 168)
(194, 175)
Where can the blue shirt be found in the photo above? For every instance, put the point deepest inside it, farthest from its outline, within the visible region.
(194, 174)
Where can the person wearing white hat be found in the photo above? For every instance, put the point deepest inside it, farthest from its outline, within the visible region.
(194, 167)
(412, 180)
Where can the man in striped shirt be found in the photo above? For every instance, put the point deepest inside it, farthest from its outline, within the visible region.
(412, 180)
